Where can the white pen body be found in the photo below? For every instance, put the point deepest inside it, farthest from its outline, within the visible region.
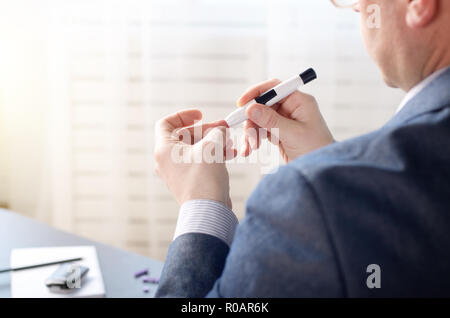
(285, 89)
(239, 115)
(282, 90)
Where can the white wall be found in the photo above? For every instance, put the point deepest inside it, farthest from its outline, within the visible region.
(23, 101)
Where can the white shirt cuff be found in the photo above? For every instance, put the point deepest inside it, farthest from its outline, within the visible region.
(207, 217)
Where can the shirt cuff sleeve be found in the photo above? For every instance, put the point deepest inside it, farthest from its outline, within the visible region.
(207, 217)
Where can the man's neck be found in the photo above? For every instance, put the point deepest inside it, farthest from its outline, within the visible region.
(438, 60)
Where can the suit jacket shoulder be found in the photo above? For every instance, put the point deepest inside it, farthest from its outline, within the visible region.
(385, 200)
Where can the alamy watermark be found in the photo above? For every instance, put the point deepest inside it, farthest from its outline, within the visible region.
(196, 146)
(373, 281)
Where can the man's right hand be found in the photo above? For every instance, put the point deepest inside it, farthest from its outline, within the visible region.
(300, 124)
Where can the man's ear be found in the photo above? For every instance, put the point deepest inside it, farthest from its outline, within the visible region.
(420, 13)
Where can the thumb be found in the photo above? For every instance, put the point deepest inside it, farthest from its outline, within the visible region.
(266, 117)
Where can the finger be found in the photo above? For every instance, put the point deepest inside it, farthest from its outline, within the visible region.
(293, 102)
(180, 119)
(251, 130)
(265, 117)
(205, 127)
(249, 124)
(257, 90)
(245, 146)
(194, 134)
(283, 112)
(217, 136)
(273, 139)
(252, 133)
(261, 133)
(230, 153)
(242, 144)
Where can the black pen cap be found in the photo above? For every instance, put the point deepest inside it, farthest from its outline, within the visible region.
(308, 76)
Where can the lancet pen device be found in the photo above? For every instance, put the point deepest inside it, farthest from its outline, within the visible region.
(272, 96)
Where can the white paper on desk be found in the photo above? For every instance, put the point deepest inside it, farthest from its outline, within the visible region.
(30, 283)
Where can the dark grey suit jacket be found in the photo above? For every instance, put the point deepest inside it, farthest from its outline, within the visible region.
(312, 228)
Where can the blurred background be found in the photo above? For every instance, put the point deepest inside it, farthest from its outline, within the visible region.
(82, 83)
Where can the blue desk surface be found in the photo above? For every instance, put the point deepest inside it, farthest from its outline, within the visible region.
(118, 266)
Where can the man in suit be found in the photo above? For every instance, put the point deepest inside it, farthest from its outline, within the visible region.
(364, 217)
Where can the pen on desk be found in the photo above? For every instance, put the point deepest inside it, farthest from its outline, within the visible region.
(272, 96)
(40, 265)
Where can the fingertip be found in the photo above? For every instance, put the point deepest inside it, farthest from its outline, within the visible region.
(253, 143)
(244, 99)
(230, 153)
(243, 151)
(221, 123)
(235, 153)
(249, 151)
(245, 147)
(257, 90)
(229, 143)
(195, 113)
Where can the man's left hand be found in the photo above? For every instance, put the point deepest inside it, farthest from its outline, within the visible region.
(193, 165)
